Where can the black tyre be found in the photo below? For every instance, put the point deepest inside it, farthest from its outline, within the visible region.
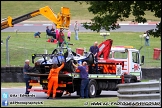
(90, 59)
(3, 69)
(98, 92)
(66, 54)
(59, 94)
(74, 53)
(51, 95)
(127, 80)
(92, 88)
(19, 70)
(54, 51)
(12, 69)
(7, 69)
(130, 78)
(69, 67)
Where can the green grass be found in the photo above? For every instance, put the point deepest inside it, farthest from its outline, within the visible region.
(23, 45)
(78, 12)
(10, 85)
(73, 102)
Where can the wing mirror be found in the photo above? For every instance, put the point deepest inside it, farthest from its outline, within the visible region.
(142, 60)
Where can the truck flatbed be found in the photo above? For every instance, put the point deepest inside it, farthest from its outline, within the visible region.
(77, 75)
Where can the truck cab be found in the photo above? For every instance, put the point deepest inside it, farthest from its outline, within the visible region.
(131, 58)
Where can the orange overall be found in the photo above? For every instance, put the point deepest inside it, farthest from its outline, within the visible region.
(53, 80)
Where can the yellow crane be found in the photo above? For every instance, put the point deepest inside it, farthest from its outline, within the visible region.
(61, 20)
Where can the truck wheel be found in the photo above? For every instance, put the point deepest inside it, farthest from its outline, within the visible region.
(51, 95)
(98, 92)
(92, 88)
(59, 94)
(130, 78)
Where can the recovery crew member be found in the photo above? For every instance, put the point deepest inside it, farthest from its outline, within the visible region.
(27, 78)
(84, 79)
(94, 49)
(53, 79)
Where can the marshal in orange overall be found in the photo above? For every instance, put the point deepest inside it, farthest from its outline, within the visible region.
(53, 79)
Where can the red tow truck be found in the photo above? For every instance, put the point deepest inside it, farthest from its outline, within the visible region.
(117, 64)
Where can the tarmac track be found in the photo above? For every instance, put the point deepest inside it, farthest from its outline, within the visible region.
(40, 96)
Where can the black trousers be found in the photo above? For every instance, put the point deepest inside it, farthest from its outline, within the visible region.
(27, 85)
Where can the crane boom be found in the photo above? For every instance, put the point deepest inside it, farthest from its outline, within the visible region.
(61, 20)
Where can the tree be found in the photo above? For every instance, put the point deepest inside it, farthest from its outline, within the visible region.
(107, 13)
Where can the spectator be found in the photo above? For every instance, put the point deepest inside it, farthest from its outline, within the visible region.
(27, 78)
(53, 30)
(69, 35)
(94, 49)
(53, 79)
(76, 30)
(61, 38)
(49, 33)
(37, 34)
(57, 33)
(84, 79)
(147, 38)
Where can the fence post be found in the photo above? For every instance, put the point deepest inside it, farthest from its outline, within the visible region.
(7, 51)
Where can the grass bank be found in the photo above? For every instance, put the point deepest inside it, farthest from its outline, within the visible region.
(78, 12)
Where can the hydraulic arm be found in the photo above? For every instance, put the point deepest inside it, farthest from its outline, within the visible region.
(61, 20)
(104, 49)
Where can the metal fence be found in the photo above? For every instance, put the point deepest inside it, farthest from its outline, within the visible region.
(142, 94)
(22, 51)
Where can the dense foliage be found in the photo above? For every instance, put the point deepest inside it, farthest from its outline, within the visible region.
(107, 13)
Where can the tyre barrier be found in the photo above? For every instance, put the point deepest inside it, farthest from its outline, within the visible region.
(8, 77)
(3, 69)
(141, 94)
(20, 77)
(7, 69)
(12, 69)
(12, 74)
(151, 73)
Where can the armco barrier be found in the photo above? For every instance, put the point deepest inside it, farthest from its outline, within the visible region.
(14, 74)
(142, 94)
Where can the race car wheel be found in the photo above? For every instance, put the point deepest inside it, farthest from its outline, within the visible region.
(69, 67)
(90, 59)
(66, 54)
(55, 51)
